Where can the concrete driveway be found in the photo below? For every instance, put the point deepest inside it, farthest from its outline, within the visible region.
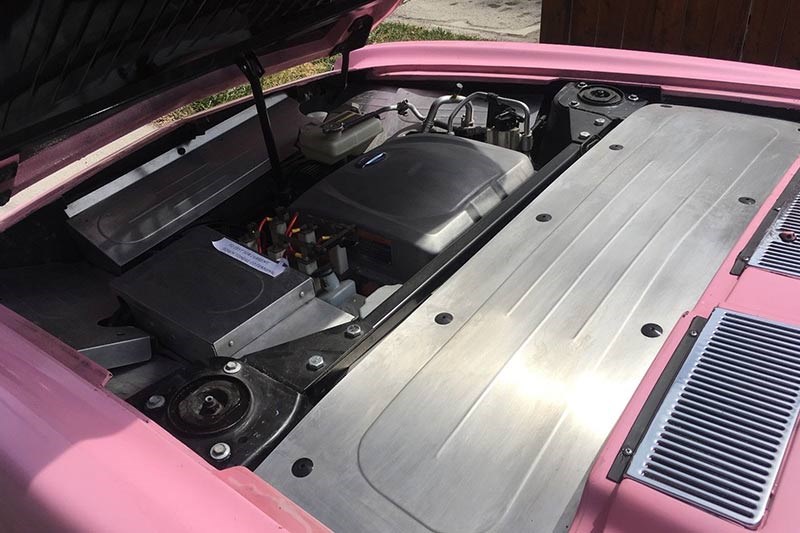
(496, 20)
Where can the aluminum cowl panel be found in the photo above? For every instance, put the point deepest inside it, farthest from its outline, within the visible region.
(492, 422)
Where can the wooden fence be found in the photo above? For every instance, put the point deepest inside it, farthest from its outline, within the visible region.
(754, 31)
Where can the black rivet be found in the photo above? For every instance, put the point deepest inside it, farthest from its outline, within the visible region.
(544, 217)
(181, 150)
(302, 467)
(616, 147)
(443, 318)
(746, 200)
(652, 330)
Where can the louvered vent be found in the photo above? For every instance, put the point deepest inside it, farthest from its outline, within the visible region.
(720, 434)
(779, 251)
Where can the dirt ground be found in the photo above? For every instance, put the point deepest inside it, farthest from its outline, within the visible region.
(497, 20)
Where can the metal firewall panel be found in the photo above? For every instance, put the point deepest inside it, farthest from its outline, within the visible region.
(491, 423)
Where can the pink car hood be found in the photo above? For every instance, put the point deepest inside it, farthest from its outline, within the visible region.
(69, 64)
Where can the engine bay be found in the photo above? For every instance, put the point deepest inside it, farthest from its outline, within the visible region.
(228, 294)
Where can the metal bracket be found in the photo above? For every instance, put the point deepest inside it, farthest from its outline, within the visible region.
(252, 69)
(359, 34)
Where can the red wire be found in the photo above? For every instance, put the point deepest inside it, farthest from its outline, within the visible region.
(261, 228)
(258, 233)
(291, 225)
(289, 231)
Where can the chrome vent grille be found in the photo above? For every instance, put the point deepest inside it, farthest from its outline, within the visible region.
(779, 250)
(719, 436)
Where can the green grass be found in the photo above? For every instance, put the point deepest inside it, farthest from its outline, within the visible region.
(385, 33)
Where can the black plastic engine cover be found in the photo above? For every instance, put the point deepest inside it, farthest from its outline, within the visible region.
(237, 406)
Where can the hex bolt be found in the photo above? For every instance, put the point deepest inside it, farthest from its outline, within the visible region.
(220, 451)
(155, 401)
(315, 362)
(353, 331)
(627, 451)
(232, 367)
(599, 121)
(584, 135)
(633, 97)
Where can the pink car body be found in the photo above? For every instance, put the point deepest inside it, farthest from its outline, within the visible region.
(76, 458)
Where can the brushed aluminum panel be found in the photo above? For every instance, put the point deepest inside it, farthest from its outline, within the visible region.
(490, 423)
(132, 214)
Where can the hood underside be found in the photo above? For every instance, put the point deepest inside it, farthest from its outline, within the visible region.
(68, 60)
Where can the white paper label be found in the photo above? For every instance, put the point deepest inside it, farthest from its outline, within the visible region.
(249, 257)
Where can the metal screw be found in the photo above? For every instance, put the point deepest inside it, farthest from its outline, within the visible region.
(627, 451)
(584, 135)
(315, 362)
(155, 401)
(580, 84)
(443, 318)
(232, 367)
(599, 121)
(693, 333)
(353, 331)
(302, 294)
(220, 451)
(652, 330)
(633, 97)
(302, 467)
(573, 103)
(230, 342)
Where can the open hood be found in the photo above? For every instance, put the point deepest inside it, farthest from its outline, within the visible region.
(65, 61)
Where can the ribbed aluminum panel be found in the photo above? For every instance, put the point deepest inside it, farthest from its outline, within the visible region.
(721, 432)
(779, 251)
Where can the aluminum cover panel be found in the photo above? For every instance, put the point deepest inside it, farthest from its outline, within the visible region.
(491, 423)
(71, 301)
(162, 201)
